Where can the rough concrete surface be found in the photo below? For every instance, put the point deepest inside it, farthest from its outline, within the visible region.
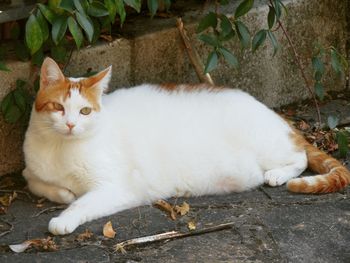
(270, 225)
(151, 51)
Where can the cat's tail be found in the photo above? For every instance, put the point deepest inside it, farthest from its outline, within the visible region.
(332, 175)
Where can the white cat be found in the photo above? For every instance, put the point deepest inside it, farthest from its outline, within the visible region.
(107, 153)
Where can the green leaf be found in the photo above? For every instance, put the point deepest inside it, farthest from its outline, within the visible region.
(277, 7)
(243, 34)
(9, 109)
(82, 6)
(212, 62)
(21, 51)
(67, 5)
(97, 30)
(152, 6)
(244, 8)
(87, 25)
(3, 66)
(274, 42)
(318, 75)
(210, 20)
(271, 17)
(105, 24)
(226, 25)
(210, 40)
(343, 143)
(227, 37)
(319, 90)
(97, 9)
(332, 121)
(7, 102)
(43, 25)
(121, 10)
(49, 15)
(13, 114)
(34, 37)
(167, 4)
(112, 9)
(136, 4)
(258, 39)
(59, 28)
(335, 62)
(229, 57)
(75, 31)
(38, 57)
(318, 65)
(20, 99)
(59, 53)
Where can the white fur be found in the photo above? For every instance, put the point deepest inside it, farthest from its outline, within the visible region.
(147, 144)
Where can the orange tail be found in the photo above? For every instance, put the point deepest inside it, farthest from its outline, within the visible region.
(333, 176)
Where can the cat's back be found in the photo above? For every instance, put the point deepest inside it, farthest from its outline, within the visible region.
(192, 111)
(177, 97)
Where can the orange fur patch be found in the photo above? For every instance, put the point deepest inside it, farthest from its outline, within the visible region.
(333, 175)
(48, 95)
(172, 87)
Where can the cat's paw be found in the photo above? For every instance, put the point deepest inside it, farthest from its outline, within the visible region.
(64, 196)
(275, 177)
(62, 225)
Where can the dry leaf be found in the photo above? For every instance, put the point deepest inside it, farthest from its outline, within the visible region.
(46, 244)
(3, 210)
(84, 236)
(166, 207)
(191, 225)
(182, 209)
(120, 248)
(108, 230)
(7, 199)
(302, 125)
(109, 38)
(19, 248)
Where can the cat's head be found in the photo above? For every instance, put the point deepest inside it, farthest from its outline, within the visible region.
(69, 106)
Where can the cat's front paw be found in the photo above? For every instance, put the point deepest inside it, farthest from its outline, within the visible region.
(62, 225)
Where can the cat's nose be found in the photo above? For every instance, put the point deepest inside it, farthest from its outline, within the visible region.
(70, 125)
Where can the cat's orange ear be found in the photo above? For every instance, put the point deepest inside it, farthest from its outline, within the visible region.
(50, 73)
(100, 80)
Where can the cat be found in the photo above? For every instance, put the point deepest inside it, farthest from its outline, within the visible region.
(106, 153)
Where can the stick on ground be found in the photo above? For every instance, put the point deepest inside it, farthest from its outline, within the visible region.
(169, 235)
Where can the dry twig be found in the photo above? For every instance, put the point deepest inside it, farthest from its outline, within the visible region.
(7, 231)
(50, 209)
(169, 235)
(193, 55)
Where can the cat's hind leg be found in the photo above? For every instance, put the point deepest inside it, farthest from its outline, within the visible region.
(293, 168)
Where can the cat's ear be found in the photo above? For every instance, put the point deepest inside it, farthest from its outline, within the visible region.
(50, 73)
(100, 80)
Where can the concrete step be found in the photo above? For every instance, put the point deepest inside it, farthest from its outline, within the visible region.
(152, 51)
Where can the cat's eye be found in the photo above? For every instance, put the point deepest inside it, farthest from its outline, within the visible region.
(58, 106)
(85, 111)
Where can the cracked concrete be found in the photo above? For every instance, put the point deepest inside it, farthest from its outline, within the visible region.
(270, 225)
